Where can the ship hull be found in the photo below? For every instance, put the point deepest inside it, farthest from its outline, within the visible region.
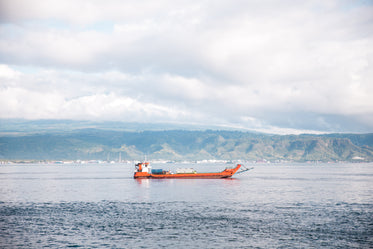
(227, 173)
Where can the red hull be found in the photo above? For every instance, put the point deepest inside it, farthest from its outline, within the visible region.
(224, 174)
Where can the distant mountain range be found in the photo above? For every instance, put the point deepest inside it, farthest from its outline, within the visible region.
(13, 126)
(106, 144)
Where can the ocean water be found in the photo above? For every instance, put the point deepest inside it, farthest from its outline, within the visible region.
(102, 206)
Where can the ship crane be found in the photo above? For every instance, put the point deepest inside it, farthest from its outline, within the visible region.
(244, 169)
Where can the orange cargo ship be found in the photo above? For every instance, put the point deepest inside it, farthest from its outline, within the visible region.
(144, 170)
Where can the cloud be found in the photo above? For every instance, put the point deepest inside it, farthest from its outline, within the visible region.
(254, 64)
(56, 94)
(36, 105)
(7, 73)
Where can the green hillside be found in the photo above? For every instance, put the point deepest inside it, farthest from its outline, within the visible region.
(185, 145)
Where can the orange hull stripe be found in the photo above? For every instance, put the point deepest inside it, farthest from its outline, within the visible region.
(224, 174)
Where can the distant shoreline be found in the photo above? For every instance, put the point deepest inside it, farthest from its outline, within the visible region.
(87, 162)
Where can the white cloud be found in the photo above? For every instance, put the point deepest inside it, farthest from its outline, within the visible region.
(7, 73)
(191, 61)
(17, 102)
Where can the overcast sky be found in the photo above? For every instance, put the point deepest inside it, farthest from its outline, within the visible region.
(274, 66)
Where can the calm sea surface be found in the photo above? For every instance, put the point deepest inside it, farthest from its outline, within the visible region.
(102, 206)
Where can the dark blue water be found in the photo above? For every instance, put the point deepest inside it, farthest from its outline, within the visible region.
(102, 206)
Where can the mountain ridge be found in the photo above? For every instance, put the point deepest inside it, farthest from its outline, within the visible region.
(178, 145)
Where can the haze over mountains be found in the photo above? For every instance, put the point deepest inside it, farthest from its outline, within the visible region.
(72, 140)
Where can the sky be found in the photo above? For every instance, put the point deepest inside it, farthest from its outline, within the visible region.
(284, 67)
